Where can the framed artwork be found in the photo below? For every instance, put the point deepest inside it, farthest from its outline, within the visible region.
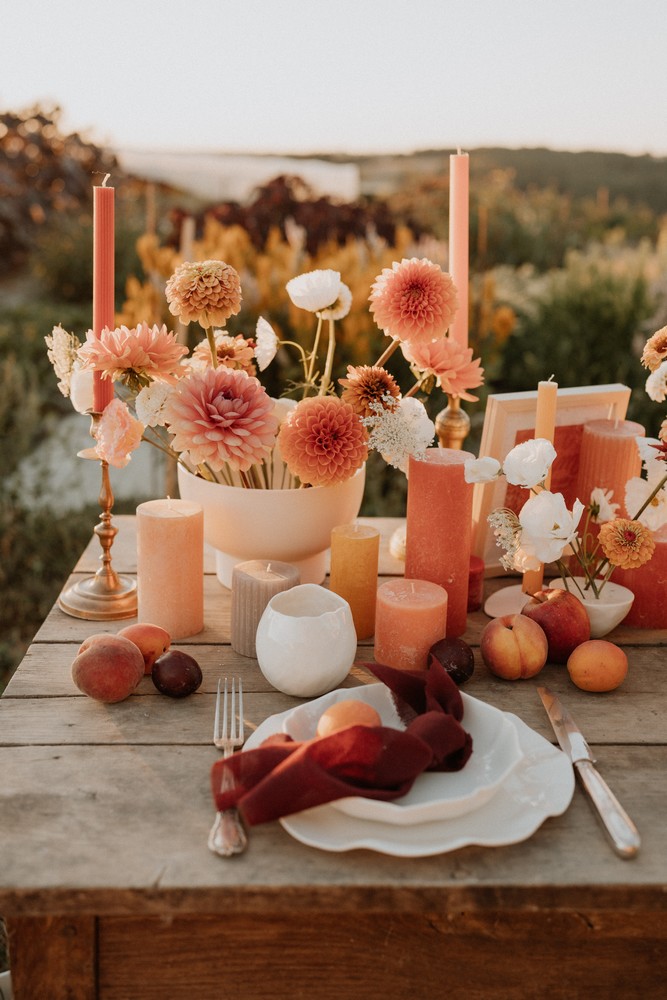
(510, 419)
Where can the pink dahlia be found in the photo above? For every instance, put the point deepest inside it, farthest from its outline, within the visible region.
(221, 416)
(207, 292)
(323, 441)
(414, 300)
(451, 364)
(135, 357)
(118, 434)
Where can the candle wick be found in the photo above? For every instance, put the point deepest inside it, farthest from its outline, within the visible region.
(268, 567)
(106, 178)
(458, 151)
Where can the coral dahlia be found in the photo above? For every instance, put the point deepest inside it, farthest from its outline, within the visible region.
(323, 441)
(414, 300)
(451, 364)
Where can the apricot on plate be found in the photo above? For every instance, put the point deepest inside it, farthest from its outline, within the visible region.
(597, 665)
(343, 714)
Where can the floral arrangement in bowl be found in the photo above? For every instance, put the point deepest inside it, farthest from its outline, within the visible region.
(209, 409)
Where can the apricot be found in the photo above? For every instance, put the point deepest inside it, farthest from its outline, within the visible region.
(597, 665)
(107, 667)
(152, 640)
(343, 714)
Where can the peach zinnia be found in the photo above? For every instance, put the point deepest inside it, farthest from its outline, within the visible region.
(135, 357)
(207, 292)
(451, 364)
(626, 544)
(220, 416)
(232, 352)
(414, 300)
(367, 384)
(655, 350)
(323, 441)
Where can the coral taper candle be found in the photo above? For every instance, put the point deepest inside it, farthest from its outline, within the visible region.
(545, 427)
(170, 566)
(254, 583)
(411, 616)
(459, 226)
(103, 282)
(354, 572)
(609, 456)
(439, 526)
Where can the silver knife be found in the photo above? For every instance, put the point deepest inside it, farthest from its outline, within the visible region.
(622, 831)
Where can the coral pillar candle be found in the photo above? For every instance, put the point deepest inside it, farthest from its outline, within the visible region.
(545, 427)
(459, 167)
(170, 566)
(439, 524)
(649, 585)
(411, 615)
(354, 572)
(254, 583)
(609, 457)
(103, 281)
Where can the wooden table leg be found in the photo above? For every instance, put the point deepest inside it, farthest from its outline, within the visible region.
(53, 957)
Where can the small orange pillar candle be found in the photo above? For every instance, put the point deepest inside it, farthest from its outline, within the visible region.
(545, 427)
(609, 457)
(649, 585)
(104, 313)
(354, 572)
(170, 566)
(439, 526)
(254, 583)
(411, 615)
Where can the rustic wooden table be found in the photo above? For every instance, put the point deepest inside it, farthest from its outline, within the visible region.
(110, 892)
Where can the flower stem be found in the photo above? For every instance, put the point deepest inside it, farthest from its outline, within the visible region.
(415, 389)
(211, 343)
(331, 348)
(313, 353)
(386, 354)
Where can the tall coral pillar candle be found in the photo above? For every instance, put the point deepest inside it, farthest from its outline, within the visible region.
(545, 427)
(103, 281)
(354, 572)
(649, 585)
(170, 565)
(459, 226)
(411, 616)
(439, 527)
(254, 583)
(608, 458)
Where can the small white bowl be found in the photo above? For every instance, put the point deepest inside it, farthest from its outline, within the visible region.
(606, 611)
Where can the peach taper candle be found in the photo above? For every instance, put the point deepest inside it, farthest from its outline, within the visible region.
(103, 281)
(545, 427)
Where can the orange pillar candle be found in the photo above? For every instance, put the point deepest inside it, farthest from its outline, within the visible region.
(104, 313)
(411, 615)
(649, 584)
(439, 526)
(354, 572)
(459, 227)
(609, 457)
(545, 427)
(254, 583)
(170, 566)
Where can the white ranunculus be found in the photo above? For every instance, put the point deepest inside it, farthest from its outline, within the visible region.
(81, 389)
(607, 510)
(481, 470)
(656, 384)
(528, 463)
(637, 492)
(314, 290)
(266, 343)
(547, 526)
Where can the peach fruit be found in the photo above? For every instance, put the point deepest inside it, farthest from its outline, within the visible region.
(343, 714)
(107, 667)
(563, 618)
(152, 641)
(597, 665)
(514, 647)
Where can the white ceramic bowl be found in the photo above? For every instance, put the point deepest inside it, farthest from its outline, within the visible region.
(434, 795)
(605, 612)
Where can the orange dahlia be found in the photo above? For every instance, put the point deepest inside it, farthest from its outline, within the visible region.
(323, 441)
(627, 544)
(368, 384)
(207, 292)
(414, 300)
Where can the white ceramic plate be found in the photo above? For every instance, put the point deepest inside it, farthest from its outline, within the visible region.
(435, 795)
(540, 786)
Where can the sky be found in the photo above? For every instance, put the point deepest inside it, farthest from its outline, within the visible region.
(354, 76)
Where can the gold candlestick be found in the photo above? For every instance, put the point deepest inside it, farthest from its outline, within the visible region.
(452, 425)
(106, 595)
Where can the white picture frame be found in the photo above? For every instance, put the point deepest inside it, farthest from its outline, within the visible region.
(510, 418)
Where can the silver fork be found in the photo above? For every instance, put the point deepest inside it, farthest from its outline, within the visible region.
(228, 836)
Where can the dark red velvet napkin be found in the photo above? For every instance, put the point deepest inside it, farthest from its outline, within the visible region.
(283, 776)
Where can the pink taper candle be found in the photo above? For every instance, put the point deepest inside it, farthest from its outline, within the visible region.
(459, 225)
(411, 616)
(103, 282)
(170, 566)
(545, 427)
(439, 524)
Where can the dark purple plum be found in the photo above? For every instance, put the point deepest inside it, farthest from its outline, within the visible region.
(176, 674)
(456, 657)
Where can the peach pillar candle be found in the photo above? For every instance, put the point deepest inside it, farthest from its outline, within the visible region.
(459, 225)
(649, 585)
(609, 457)
(411, 615)
(170, 566)
(439, 528)
(104, 313)
(545, 427)
(355, 551)
(254, 583)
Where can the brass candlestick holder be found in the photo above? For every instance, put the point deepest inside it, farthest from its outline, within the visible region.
(452, 425)
(106, 595)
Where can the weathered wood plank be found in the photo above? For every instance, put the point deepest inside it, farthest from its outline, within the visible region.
(53, 957)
